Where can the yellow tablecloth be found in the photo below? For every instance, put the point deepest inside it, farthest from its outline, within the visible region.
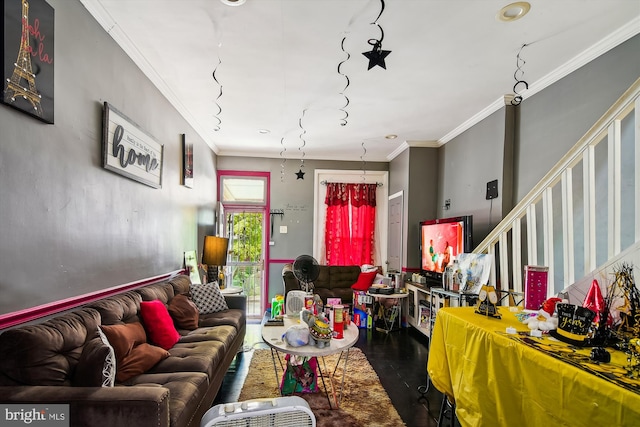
(498, 379)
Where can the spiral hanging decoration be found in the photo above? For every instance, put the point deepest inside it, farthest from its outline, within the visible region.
(377, 55)
(300, 173)
(284, 160)
(364, 163)
(215, 79)
(343, 121)
(518, 76)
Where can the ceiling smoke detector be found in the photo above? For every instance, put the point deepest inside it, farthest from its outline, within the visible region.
(233, 2)
(513, 11)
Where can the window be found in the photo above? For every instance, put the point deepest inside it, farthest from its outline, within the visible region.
(244, 190)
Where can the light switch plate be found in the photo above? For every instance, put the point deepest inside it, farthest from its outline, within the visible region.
(283, 229)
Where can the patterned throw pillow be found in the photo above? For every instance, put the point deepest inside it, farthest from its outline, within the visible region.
(208, 298)
(97, 364)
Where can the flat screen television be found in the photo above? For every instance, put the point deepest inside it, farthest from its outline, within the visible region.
(441, 240)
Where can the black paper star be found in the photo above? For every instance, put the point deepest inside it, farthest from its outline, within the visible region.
(376, 56)
(300, 174)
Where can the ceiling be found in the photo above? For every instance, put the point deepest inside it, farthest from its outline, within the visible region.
(278, 63)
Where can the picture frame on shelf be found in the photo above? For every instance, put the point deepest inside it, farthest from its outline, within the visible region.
(191, 265)
(187, 162)
(130, 151)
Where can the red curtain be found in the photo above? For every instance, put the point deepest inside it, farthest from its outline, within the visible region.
(350, 243)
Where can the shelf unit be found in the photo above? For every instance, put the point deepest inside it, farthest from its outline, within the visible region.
(424, 303)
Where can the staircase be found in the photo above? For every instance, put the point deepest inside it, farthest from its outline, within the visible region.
(583, 217)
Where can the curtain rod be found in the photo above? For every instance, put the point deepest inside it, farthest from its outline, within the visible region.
(379, 184)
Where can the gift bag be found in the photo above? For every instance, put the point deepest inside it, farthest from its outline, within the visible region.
(300, 376)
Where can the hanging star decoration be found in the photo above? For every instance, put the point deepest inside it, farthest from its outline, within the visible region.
(377, 55)
(300, 174)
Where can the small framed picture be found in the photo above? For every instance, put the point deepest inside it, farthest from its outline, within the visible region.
(187, 162)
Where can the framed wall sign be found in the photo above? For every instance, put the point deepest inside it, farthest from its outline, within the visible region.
(26, 40)
(187, 162)
(130, 151)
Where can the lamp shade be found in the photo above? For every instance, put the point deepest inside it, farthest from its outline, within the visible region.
(215, 250)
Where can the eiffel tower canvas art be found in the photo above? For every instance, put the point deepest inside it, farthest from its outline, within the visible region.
(26, 36)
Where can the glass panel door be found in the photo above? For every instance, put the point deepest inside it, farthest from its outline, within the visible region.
(245, 263)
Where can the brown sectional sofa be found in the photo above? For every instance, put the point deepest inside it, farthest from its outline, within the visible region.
(39, 363)
(333, 281)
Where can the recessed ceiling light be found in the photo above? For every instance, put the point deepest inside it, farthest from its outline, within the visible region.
(513, 11)
(392, 136)
(233, 2)
(264, 131)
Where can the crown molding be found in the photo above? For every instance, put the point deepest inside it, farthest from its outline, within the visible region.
(614, 39)
(107, 22)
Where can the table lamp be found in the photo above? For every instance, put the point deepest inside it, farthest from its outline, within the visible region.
(214, 255)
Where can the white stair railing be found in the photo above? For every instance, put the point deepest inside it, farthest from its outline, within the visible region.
(544, 228)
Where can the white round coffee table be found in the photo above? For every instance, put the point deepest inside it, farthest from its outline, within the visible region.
(272, 336)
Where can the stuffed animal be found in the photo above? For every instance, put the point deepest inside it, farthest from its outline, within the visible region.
(319, 331)
(544, 320)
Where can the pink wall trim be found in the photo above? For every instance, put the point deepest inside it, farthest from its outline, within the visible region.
(32, 313)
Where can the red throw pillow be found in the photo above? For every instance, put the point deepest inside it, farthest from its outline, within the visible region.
(365, 280)
(159, 324)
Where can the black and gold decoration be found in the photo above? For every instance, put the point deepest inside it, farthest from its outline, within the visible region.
(217, 100)
(376, 56)
(343, 121)
(488, 302)
(284, 160)
(580, 357)
(303, 131)
(518, 75)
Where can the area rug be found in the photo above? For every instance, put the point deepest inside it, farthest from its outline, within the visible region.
(364, 400)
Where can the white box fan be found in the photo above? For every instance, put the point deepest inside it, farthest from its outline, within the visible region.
(290, 411)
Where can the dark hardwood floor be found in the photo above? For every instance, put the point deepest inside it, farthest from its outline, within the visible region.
(399, 358)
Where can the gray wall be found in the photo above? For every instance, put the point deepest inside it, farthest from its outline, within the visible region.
(468, 162)
(415, 173)
(295, 196)
(550, 123)
(553, 120)
(68, 226)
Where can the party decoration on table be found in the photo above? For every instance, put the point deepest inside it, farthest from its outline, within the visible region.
(488, 302)
(600, 354)
(594, 300)
(625, 292)
(377, 55)
(544, 320)
(343, 121)
(602, 333)
(535, 286)
(612, 371)
(518, 75)
(574, 323)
